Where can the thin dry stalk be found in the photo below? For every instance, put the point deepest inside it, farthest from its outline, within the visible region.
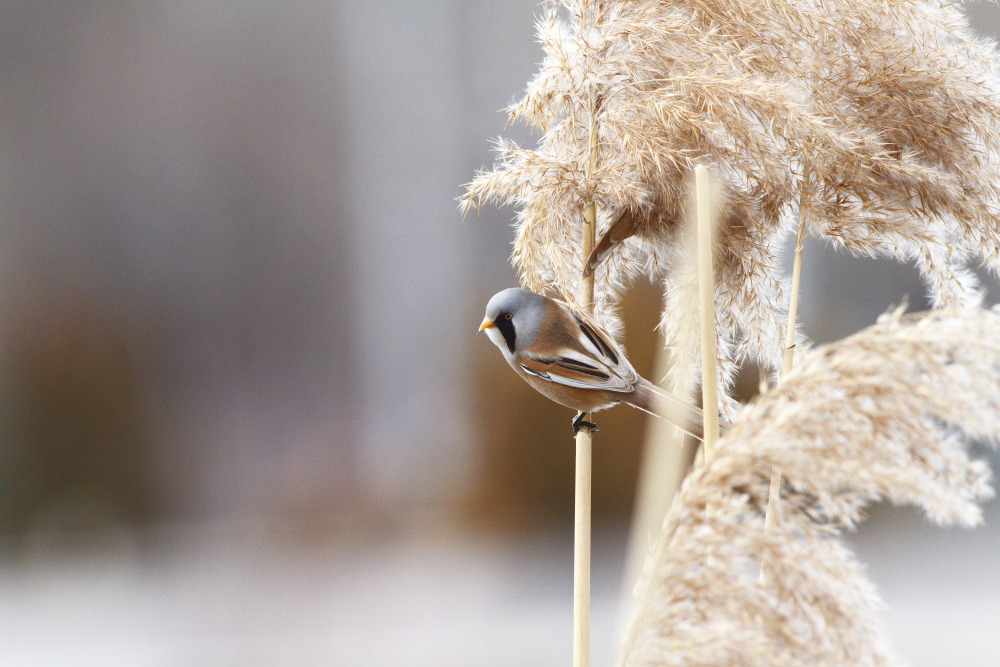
(584, 440)
(705, 207)
(581, 549)
(788, 359)
(666, 458)
(881, 415)
(774, 495)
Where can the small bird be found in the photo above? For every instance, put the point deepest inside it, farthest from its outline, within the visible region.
(571, 361)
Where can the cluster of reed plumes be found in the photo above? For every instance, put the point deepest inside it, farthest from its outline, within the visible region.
(878, 121)
(877, 416)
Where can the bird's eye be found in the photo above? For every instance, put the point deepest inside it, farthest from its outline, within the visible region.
(507, 316)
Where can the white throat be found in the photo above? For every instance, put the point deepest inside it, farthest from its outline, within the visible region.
(498, 340)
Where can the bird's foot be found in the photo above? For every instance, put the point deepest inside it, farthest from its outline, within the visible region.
(579, 421)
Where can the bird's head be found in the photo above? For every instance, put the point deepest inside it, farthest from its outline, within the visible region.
(512, 318)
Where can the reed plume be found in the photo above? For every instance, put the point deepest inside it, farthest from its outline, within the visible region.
(878, 416)
(891, 109)
(877, 121)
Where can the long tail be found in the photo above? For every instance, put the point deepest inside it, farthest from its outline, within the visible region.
(651, 399)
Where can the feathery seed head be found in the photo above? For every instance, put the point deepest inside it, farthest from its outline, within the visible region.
(877, 416)
(880, 122)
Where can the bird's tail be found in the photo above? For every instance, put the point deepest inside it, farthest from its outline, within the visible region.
(653, 400)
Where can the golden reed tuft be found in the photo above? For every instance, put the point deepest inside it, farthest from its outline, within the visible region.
(877, 416)
(890, 110)
(879, 121)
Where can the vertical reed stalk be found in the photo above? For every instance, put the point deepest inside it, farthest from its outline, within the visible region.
(704, 207)
(584, 447)
(704, 222)
(667, 455)
(774, 494)
(793, 299)
(581, 550)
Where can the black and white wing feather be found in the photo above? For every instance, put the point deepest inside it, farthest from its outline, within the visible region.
(591, 361)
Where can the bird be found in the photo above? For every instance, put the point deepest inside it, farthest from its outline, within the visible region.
(569, 359)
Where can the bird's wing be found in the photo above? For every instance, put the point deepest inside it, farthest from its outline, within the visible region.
(594, 345)
(586, 358)
(571, 371)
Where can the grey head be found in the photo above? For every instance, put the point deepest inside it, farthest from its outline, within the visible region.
(513, 317)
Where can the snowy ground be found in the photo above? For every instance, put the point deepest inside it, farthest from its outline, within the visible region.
(225, 595)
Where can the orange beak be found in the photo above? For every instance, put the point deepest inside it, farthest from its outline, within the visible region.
(487, 323)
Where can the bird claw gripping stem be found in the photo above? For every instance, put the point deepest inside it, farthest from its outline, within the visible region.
(579, 421)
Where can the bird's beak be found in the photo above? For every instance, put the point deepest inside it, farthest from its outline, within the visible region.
(487, 323)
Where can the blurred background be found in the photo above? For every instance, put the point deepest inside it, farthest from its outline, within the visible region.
(245, 417)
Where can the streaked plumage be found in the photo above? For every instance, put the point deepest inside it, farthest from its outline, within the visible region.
(571, 361)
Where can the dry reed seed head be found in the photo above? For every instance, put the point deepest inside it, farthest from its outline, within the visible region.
(891, 108)
(719, 614)
(877, 416)
(929, 95)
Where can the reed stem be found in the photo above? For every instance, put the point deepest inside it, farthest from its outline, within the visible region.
(705, 212)
(581, 550)
(667, 455)
(584, 446)
(774, 493)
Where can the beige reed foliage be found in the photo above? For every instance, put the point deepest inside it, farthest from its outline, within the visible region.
(890, 106)
(880, 415)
